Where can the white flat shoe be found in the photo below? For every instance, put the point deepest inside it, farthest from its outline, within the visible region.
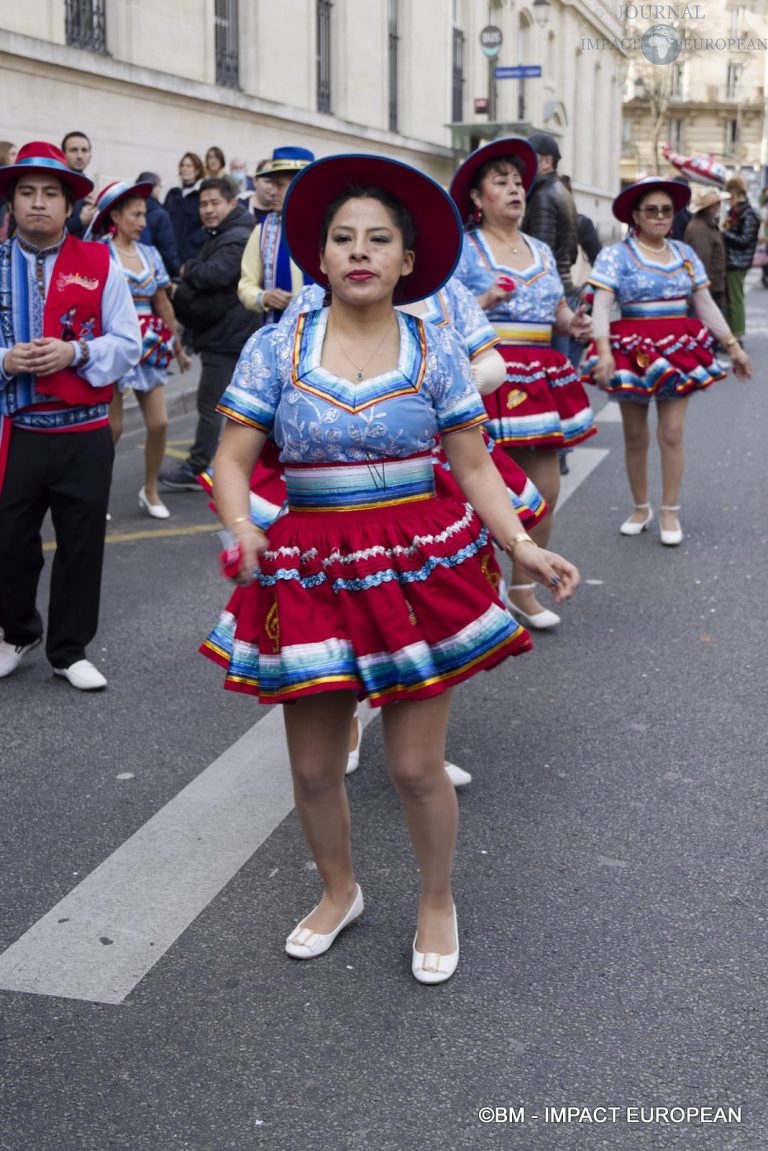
(303, 943)
(82, 675)
(674, 536)
(157, 511)
(353, 759)
(539, 620)
(457, 775)
(429, 967)
(631, 527)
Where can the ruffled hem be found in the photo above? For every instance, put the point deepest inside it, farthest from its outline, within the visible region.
(542, 404)
(658, 359)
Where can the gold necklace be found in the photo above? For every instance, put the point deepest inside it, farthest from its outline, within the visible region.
(501, 239)
(360, 370)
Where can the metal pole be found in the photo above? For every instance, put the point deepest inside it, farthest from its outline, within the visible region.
(491, 89)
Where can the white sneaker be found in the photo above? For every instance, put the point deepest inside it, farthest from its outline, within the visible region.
(457, 775)
(11, 655)
(82, 675)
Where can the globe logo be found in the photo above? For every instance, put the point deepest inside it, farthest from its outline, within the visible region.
(661, 44)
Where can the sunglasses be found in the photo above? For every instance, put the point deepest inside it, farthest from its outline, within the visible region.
(658, 210)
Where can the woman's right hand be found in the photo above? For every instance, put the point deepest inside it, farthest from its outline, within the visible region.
(252, 543)
(495, 295)
(741, 364)
(604, 369)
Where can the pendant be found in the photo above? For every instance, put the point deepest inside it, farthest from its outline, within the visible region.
(358, 375)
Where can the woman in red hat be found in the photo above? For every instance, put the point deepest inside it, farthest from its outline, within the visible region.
(121, 213)
(542, 407)
(369, 586)
(656, 351)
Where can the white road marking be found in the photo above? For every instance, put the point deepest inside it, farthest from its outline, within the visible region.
(610, 413)
(581, 461)
(99, 941)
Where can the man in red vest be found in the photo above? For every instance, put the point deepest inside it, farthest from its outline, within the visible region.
(68, 330)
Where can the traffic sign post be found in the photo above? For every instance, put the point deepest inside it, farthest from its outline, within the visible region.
(518, 71)
(491, 39)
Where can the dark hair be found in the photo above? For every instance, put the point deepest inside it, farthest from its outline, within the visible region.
(149, 178)
(198, 163)
(498, 164)
(124, 201)
(70, 136)
(6, 147)
(649, 192)
(396, 208)
(217, 152)
(224, 184)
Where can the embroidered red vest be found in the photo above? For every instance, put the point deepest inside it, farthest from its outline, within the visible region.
(73, 312)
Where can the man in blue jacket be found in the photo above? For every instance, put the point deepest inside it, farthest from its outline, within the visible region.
(159, 229)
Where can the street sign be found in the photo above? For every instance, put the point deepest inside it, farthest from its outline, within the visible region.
(518, 72)
(491, 40)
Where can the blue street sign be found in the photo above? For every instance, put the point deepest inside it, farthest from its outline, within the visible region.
(518, 72)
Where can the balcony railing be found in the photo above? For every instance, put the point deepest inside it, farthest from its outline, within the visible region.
(457, 76)
(85, 25)
(226, 44)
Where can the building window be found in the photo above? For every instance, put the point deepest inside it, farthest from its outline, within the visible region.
(457, 75)
(677, 89)
(731, 137)
(392, 42)
(226, 44)
(737, 19)
(676, 133)
(324, 55)
(733, 82)
(85, 25)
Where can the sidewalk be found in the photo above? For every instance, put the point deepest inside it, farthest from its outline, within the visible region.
(180, 394)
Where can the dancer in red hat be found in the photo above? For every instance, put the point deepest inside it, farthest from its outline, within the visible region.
(68, 329)
(369, 586)
(656, 351)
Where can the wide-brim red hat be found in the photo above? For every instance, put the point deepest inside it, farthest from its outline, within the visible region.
(40, 158)
(465, 175)
(437, 246)
(624, 204)
(109, 197)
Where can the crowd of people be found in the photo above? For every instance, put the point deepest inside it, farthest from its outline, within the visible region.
(397, 371)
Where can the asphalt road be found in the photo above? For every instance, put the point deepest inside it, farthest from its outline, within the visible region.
(610, 879)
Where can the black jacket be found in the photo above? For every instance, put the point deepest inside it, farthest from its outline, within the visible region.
(159, 231)
(551, 216)
(206, 300)
(185, 218)
(740, 234)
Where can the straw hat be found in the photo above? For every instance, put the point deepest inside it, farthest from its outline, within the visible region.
(706, 198)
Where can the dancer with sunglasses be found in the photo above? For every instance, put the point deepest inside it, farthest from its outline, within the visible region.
(369, 586)
(656, 351)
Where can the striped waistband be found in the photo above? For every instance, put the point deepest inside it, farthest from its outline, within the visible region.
(47, 418)
(655, 309)
(357, 487)
(536, 334)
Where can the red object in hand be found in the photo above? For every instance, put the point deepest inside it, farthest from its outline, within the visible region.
(506, 283)
(230, 561)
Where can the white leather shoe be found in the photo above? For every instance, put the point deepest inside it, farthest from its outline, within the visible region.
(82, 675)
(539, 620)
(157, 511)
(674, 536)
(305, 944)
(353, 759)
(429, 967)
(457, 775)
(631, 527)
(11, 655)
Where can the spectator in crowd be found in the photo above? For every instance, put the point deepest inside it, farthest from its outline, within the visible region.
(158, 230)
(215, 164)
(59, 355)
(683, 217)
(77, 150)
(264, 196)
(183, 206)
(741, 231)
(238, 170)
(7, 156)
(269, 277)
(206, 302)
(703, 235)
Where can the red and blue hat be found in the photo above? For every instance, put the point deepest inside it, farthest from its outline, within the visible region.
(42, 159)
(466, 174)
(626, 202)
(109, 197)
(437, 245)
(287, 159)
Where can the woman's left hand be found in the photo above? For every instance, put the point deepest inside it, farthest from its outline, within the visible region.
(580, 326)
(741, 364)
(183, 360)
(547, 568)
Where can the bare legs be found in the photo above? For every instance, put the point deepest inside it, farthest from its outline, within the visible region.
(152, 405)
(543, 468)
(637, 439)
(317, 728)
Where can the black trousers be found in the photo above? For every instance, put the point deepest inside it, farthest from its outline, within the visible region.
(68, 473)
(214, 380)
